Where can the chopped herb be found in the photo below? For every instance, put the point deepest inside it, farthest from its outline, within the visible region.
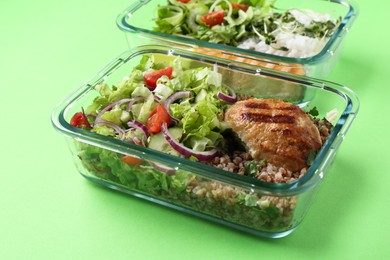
(313, 111)
(252, 168)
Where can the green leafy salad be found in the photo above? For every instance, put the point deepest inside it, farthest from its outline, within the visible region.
(160, 105)
(214, 21)
(159, 102)
(248, 24)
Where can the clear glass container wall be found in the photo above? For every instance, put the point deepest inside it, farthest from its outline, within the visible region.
(241, 202)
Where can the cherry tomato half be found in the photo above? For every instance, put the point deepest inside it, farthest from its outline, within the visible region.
(184, 1)
(158, 117)
(80, 120)
(240, 6)
(213, 18)
(151, 78)
(132, 160)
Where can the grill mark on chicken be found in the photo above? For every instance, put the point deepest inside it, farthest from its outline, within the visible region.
(264, 118)
(257, 105)
(266, 106)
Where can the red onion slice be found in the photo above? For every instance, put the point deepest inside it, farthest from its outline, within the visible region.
(117, 128)
(90, 116)
(230, 98)
(172, 98)
(100, 121)
(140, 126)
(163, 168)
(128, 107)
(110, 106)
(156, 98)
(135, 140)
(202, 156)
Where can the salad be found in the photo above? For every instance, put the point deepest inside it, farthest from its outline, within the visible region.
(179, 110)
(158, 96)
(248, 24)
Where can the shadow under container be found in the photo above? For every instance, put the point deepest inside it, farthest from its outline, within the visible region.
(137, 21)
(241, 202)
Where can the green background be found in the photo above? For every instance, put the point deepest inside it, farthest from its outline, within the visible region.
(48, 211)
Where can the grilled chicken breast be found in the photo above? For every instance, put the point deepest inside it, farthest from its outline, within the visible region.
(274, 130)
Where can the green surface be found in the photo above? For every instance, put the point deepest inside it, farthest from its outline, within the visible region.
(48, 211)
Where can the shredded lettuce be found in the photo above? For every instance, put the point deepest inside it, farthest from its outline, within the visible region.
(170, 19)
(199, 115)
(179, 18)
(179, 110)
(141, 91)
(108, 165)
(104, 130)
(260, 20)
(163, 91)
(146, 109)
(113, 116)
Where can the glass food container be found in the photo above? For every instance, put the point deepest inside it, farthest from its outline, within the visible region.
(238, 201)
(138, 23)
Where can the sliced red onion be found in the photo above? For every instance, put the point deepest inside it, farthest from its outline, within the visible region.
(134, 139)
(110, 106)
(230, 98)
(202, 156)
(91, 116)
(139, 126)
(172, 98)
(163, 168)
(117, 128)
(157, 98)
(128, 107)
(100, 121)
(138, 142)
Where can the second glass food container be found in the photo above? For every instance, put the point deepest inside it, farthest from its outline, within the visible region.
(138, 23)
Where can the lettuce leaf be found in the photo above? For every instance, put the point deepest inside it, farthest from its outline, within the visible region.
(185, 19)
(169, 19)
(108, 165)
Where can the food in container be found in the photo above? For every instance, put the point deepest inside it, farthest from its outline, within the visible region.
(253, 25)
(301, 37)
(152, 124)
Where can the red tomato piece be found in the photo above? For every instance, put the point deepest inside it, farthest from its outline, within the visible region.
(213, 18)
(80, 120)
(151, 78)
(243, 7)
(158, 117)
(131, 160)
(184, 1)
